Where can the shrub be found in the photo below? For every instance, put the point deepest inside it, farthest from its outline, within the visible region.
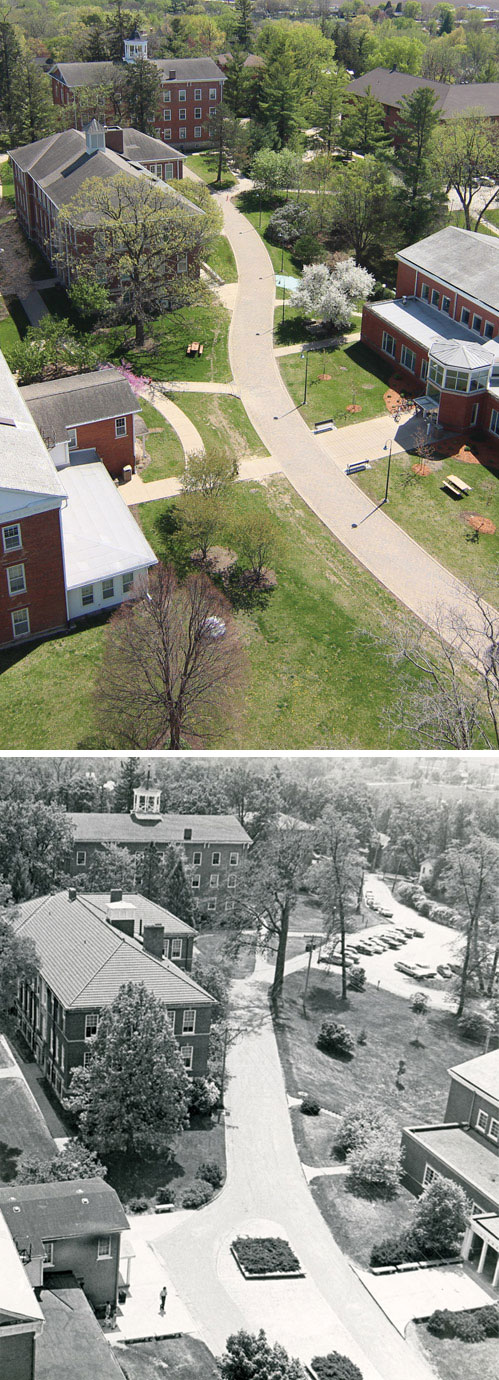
(473, 1026)
(166, 1194)
(197, 1194)
(375, 1167)
(438, 1323)
(203, 1096)
(260, 1255)
(138, 1205)
(334, 1038)
(489, 1317)
(310, 1106)
(440, 1216)
(468, 1328)
(211, 1172)
(307, 249)
(357, 978)
(395, 1250)
(355, 1126)
(473, 1325)
(362, 1037)
(287, 223)
(335, 1367)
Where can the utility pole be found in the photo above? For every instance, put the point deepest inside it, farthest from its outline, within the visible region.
(310, 946)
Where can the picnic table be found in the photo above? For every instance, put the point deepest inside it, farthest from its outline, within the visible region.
(455, 486)
(195, 348)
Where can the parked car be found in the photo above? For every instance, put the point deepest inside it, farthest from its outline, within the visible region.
(444, 970)
(392, 940)
(364, 947)
(337, 960)
(424, 974)
(405, 968)
(376, 947)
(385, 910)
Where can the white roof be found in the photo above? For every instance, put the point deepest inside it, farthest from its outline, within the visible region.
(100, 537)
(462, 354)
(482, 1073)
(424, 324)
(25, 464)
(16, 1295)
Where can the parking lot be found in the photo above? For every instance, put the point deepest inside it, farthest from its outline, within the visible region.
(438, 945)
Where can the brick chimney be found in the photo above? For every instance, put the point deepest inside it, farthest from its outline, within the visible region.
(114, 138)
(72, 893)
(154, 940)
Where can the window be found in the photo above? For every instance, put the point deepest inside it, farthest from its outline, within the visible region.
(435, 297)
(425, 292)
(171, 1018)
(408, 358)
(482, 1122)
(229, 905)
(176, 949)
(197, 93)
(87, 595)
(198, 133)
(127, 581)
(187, 835)
(197, 112)
(213, 111)
(167, 134)
(388, 344)
(182, 96)
(189, 1022)
(167, 95)
(48, 1252)
(488, 330)
(91, 1023)
(186, 1054)
(231, 882)
(72, 437)
(494, 1129)
(196, 858)
(494, 421)
(20, 622)
(474, 415)
(213, 93)
(182, 114)
(195, 883)
(168, 171)
(456, 380)
(104, 1251)
(424, 368)
(108, 589)
(87, 1055)
(120, 422)
(212, 903)
(436, 373)
(182, 134)
(214, 879)
(16, 579)
(465, 316)
(429, 1176)
(12, 537)
(215, 859)
(446, 304)
(477, 323)
(182, 263)
(81, 857)
(233, 859)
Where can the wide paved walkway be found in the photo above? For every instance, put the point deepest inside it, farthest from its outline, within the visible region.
(314, 465)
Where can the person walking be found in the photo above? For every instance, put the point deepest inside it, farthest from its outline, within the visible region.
(162, 1299)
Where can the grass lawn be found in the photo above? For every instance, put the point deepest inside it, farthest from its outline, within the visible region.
(7, 181)
(9, 334)
(455, 1360)
(457, 218)
(162, 444)
(222, 260)
(248, 203)
(134, 1178)
(180, 1357)
(222, 422)
(23, 1132)
(356, 1223)
(46, 692)
(211, 949)
(435, 520)
(389, 1025)
(357, 376)
(205, 165)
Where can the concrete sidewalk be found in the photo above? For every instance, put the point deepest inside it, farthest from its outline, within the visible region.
(137, 491)
(417, 1293)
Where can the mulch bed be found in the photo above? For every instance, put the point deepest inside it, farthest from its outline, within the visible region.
(469, 452)
(353, 407)
(422, 470)
(483, 525)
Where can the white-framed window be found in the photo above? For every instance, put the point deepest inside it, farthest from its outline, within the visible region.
(197, 93)
(48, 1253)
(195, 883)
(477, 322)
(494, 1129)
(233, 859)
(108, 589)
(91, 1024)
(197, 112)
(168, 171)
(435, 297)
(188, 1021)
(429, 1176)
(425, 292)
(212, 903)
(16, 579)
(196, 859)
(72, 437)
(127, 581)
(167, 95)
(171, 1018)
(474, 415)
(482, 1122)
(87, 595)
(446, 304)
(182, 114)
(20, 622)
(187, 1055)
(167, 134)
(182, 134)
(494, 421)
(465, 316)
(81, 857)
(229, 905)
(216, 859)
(488, 330)
(182, 263)
(214, 880)
(120, 426)
(231, 883)
(176, 949)
(87, 1056)
(104, 1251)
(213, 111)
(11, 536)
(408, 358)
(182, 96)
(213, 93)
(388, 344)
(198, 133)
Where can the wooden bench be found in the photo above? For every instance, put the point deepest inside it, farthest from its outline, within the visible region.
(455, 486)
(357, 467)
(327, 425)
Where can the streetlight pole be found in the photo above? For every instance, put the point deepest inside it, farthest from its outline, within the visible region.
(385, 500)
(310, 947)
(305, 357)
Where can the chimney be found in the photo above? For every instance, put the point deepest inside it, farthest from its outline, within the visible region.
(72, 893)
(114, 138)
(187, 835)
(154, 940)
(121, 915)
(172, 74)
(115, 894)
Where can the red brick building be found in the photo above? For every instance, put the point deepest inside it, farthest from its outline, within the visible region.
(87, 412)
(442, 331)
(392, 88)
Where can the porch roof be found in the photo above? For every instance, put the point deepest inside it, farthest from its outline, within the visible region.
(425, 325)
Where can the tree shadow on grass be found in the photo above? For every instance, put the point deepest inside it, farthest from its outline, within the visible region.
(320, 999)
(292, 331)
(140, 1178)
(241, 590)
(9, 1155)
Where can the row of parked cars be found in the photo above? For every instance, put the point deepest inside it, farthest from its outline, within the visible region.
(393, 938)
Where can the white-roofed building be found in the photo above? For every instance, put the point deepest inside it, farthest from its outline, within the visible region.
(105, 553)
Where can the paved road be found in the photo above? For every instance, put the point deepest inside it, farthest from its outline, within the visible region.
(266, 1193)
(397, 561)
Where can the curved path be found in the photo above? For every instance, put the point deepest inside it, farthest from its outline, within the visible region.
(398, 562)
(266, 1193)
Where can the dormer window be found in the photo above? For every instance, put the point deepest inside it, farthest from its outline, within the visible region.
(187, 835)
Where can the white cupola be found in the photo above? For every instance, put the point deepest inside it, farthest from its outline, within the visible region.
(135, 47)
(147, 801)
(95, 136)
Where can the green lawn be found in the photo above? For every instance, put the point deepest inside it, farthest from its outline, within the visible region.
(357, 376)
(222, 260)
(46, 692)
(438, 522)
(9, 334)
(451, 1359)
(222, 422)
(163, 445)
(7, 181)
(205, 165)
(203, 1140)
(356, 1223)
(248, 203)
(179, 1357)
(457, 218)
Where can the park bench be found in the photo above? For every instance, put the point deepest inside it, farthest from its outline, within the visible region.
(357, 466)
(455, 486)
(326, 425)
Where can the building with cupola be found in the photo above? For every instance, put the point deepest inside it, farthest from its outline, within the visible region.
(213, 847)
(441, 333)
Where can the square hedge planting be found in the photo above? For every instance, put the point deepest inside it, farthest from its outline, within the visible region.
(261, 1256)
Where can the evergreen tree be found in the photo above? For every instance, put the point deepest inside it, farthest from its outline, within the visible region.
(142, 94)
(235, 86)
(12, 99)
(244, 26)
(363, 125)
(326, 107)
(38, 112)
(120, 24)
(419, 119)
(18, 961)
(161, 877)
(278, 105)
(129, 778)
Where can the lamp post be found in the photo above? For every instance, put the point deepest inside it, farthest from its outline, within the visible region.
(304, 355)
(310, 946)
(387, 447)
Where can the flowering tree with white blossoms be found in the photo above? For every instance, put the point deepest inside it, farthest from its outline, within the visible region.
(329, 295)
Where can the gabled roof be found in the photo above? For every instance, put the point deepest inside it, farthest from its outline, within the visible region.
(147, 911)
(462, 260)
(61, 165)
(83, 398)
(85, 960)
(72, 1345)
(188, 69)
(17, 1299)
(100, 536)
(481, 1073)
(139, 147)
(75, 74)
(391, 87)
(60, 1210)
(25, 464)
(117, 828)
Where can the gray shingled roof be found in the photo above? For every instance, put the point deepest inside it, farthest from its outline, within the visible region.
(460, 259)
(188, 69)
(116, 828)
(87, 73)
(66, 1208)
(391, 87)
(147, 911)
(61, 166)
(85, 960)
(84, 398)
(139, 147)
(482, 1073)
